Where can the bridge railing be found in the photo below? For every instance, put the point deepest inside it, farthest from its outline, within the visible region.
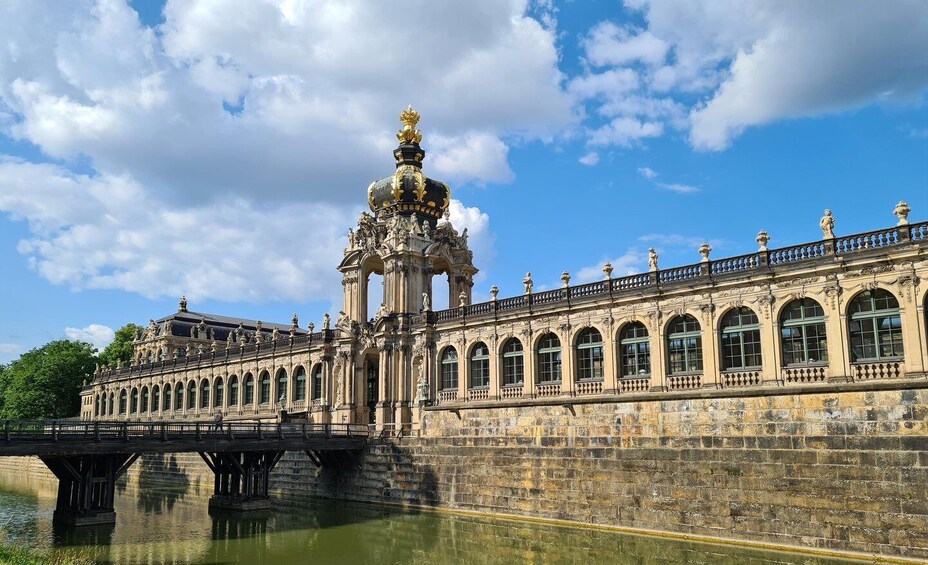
(64, 430)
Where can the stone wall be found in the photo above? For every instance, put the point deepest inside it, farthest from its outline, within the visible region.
(843, 470)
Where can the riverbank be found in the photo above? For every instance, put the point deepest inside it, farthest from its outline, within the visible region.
(838, 473)
(12, 554)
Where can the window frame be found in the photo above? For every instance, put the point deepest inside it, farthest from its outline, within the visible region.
(513, 363)
(591, 356)
(876, 317)
(630, 347)
(690, 346)
(448, 369)
(741, 336)
(550, 360)
(479, 374)
(804, 329)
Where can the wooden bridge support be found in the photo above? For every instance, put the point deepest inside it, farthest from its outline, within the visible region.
(241, 478)
(86, 486)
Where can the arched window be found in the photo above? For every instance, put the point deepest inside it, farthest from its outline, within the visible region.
(166, 397)
(218, 389)
(281, 382)
(248, 382)
(112, 403)
(144, 407)
(317, 382)
(155, 398)
(191, 395)
(265, 392)
(449, 369)
(179, 397)
(549, 359)
(134, 401)
(479, 366)
(204, 393)
(684, 345)
(740, 339)
(160, 354)
(802, 333)
(233, 390)
(96, 406)
(513, 363)
(589, 355)
(123, 399)
(875, 326)
(635, 350)
(299, 384)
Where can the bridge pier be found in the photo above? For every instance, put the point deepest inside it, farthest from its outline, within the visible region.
(240, 479)
(87, 486)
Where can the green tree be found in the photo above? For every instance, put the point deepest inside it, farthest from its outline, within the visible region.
(120, 349)
(46, 382)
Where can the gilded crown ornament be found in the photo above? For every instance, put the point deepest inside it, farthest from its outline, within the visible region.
(408, 133)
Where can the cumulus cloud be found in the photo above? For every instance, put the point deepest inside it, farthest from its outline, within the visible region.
(678, 187)
(647, 172)
(223, 154)
(714, 69)
(97, 335)
(631, 262)
(590, 158)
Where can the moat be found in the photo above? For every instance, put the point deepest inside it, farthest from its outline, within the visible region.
(163, 524)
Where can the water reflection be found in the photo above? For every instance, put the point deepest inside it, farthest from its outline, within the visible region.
(173, 525)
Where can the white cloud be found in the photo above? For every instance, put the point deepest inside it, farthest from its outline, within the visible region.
(717, 68)
(590, 158)
(631, 262)
(624, 131)
(678, 187)
(96, 334)
(183, 196)
(647, 172)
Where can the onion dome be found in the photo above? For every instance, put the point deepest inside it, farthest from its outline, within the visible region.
(407, 191)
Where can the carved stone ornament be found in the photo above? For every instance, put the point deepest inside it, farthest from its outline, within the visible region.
(906, 285)
(704, 250)
(527, 281)
(902, 212)
(762, 238)
(827, 224)
(706, 310)
(652, 260)
(832, 294)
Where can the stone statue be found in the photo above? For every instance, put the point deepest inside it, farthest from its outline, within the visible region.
(827, 223)
(325, 321)
(762, 238)
(350, 238)
(902, 212)
(652, 260)
(311, 326)
(426, 302)
(527, 281)
(340, 322)
(152, 329)
(338, 391)
(494, 292)
(167, 328)
(704, 250)
(275, 335)
(464, 238)
(462, 299)
(607, 271)
(381, 311)
(422, 387)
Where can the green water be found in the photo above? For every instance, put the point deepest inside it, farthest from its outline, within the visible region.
(172, 525)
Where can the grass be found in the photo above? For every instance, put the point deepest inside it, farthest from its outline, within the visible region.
(11, 554)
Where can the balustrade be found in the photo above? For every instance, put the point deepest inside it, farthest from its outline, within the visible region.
(684, 382)
(478, 394)
(446, 396)
(512, 391)
(589, 387)
(734, 264)
(883, 370)
(803, 375)
(869, 240)
(786, 255)
(634, 384)
(549, 389)
(740, 378)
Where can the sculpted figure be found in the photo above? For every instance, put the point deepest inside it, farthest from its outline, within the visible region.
(652, 259)
(527, 281)
(827, 223)
(381, 311)
(426, 302)
(422, 387)
(350, 238)
(325, 321)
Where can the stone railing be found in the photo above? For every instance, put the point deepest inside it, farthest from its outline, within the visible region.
(635, 384)
(478, 394)
(878, 370)
(589, 387)
(684, 382)
(804, 374)
(746, 265)
(298, 405)
(548, 389)
(446, 396)
(740, 378)
(236, 353)
(512, 391)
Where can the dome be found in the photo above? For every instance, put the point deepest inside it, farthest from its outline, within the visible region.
(408, 191)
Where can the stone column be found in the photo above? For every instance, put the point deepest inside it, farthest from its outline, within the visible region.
(568, 360)
(836, 334)
(496, 360)
(383, 409)
(529, 363)
(711, 358)
(770, 348)
(912, 317)
(610, 361)
(658, 349)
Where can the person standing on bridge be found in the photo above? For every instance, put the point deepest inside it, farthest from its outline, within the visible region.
(217, 421)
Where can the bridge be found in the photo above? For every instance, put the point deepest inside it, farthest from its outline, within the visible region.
(88, 456)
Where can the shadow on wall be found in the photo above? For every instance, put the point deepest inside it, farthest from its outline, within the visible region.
(161, 481)
(385, 473)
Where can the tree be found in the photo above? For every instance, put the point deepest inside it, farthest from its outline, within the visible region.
(120, 349)
(46, 382)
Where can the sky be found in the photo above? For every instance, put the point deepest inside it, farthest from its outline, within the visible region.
(221, 149)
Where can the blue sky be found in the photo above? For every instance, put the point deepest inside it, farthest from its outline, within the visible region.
(222, 149)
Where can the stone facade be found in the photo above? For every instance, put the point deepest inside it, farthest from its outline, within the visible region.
(739, 397)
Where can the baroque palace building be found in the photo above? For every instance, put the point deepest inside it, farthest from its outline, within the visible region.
(800, 318)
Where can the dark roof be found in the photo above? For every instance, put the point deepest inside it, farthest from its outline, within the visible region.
(183, 321)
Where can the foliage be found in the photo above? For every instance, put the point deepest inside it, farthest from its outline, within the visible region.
(11, 554)
(121, 347)
(45, 382)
